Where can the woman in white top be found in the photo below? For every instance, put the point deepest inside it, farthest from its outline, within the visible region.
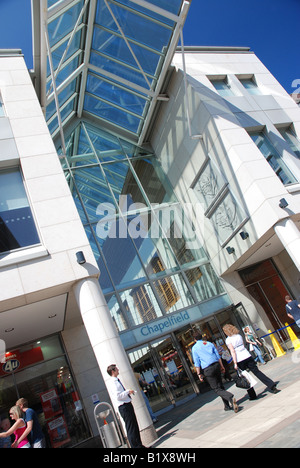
(243, 360)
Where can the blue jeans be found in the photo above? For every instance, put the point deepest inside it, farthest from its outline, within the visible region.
(258, 354)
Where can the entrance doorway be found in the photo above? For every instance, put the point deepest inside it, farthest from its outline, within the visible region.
(165, 376)
(165, 367)
(267, 288)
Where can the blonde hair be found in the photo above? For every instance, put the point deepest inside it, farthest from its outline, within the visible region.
(230, 330)
(16, 410)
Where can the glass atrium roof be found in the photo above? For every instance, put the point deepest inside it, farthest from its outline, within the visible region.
(104, 60)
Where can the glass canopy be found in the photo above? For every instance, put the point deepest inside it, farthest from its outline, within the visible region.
(104, 60)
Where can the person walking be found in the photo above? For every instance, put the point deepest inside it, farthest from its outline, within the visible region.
(254, 345)
(122, 400)
(33, 430)
(209, 364)
(243, 360)
(293, 309)
(18, 429)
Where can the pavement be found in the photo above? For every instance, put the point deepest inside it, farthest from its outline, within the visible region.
(271, 421)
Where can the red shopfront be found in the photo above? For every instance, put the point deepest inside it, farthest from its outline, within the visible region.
(40, 373)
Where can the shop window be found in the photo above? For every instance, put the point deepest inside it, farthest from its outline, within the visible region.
(39, 372)
(17, 226)
(273, 157)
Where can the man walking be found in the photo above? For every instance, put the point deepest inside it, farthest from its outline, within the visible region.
(34, 430)
(209, 365)
(293, 309)
(122, 399)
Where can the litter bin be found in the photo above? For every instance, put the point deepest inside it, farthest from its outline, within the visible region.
(109, 431)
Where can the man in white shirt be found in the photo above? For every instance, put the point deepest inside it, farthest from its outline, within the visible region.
(122, 399)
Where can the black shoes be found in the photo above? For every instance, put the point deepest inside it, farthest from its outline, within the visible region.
(274, 390)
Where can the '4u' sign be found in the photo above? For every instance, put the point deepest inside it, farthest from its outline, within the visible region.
(10, 366)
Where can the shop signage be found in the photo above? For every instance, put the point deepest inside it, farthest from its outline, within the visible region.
(16, 360)
(167, 323)
(155, 329)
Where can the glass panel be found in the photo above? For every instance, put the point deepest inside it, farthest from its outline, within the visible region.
(107, 147)
(93, 190)
(153, 181)
(173, 293)
(251, 86)
(64, 24)
(209, 184)
(153, 384)
(123, 185)
(104, 278)
(113, 115)
(155, 253)
(17, 226)
(178, 230)
(273, 158)
(223, 88)
(135, 27)
(227, 217)
(119, 253)
(204, 282)
(140, 305)
(292, 140)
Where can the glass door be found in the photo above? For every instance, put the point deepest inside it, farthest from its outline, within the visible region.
(175, 374)
(151, 378)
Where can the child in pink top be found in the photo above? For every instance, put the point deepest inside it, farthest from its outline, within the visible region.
(17, 429)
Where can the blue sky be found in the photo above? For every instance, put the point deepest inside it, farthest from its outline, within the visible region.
(269, 27)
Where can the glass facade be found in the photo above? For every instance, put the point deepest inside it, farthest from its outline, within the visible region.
(138, 231)
(112, 56)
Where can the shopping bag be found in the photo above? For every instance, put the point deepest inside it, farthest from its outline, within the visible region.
(250, 378)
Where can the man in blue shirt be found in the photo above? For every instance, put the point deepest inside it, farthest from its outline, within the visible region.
(209, 365)
(293, 309)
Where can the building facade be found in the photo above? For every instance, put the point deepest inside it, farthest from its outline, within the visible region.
(182, 196)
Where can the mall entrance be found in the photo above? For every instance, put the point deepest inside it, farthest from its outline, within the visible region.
(165, 368)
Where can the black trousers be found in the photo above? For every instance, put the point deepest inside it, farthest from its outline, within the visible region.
(250, 364)
(214, 378)
(133, 433)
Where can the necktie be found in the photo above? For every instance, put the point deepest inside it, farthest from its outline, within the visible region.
(123, 387)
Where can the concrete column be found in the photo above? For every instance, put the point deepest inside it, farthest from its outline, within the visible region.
(108, 348)
(289, 235)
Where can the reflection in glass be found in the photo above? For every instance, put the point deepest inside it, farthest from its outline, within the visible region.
(274, 159)
(173, 293)
(139, 305)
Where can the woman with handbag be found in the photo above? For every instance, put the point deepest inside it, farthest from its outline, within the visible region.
(243, 360)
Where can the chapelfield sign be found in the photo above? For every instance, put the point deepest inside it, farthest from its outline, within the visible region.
(151, 331)
(164, 325)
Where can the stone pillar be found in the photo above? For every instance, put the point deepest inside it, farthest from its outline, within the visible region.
(289, 235)
(108, 348)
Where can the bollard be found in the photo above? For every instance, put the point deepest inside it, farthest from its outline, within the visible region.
(278, 349)
(294, 339)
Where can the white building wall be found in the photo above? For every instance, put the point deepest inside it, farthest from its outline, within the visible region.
(31, 275)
